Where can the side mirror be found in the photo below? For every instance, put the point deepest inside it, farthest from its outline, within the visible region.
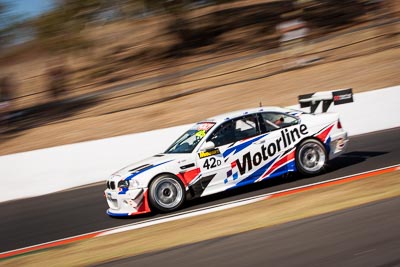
(208, 146)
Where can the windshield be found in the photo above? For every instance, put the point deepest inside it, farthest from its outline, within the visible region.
(189, 140)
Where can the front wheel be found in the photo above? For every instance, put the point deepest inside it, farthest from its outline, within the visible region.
(311, 157)
(166, 193)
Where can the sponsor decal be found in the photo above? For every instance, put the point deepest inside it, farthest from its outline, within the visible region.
(205, 126)
(287, 138)
(211, 163)
(204, 154)
(342, 96)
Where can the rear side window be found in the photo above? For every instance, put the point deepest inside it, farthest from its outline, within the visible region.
(275, 120)
(236, 130)
(246, 127)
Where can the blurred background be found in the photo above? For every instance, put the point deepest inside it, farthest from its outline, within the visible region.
(77, 70)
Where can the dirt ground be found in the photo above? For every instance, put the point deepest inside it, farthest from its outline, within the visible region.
(363, 60)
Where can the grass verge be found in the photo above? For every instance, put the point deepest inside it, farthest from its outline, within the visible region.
(246, 218)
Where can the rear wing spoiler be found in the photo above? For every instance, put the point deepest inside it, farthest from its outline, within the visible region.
(338, 97)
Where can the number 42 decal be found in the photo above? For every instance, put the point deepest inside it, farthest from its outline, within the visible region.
(211, 163)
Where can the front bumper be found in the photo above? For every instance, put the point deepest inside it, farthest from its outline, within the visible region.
(127, 203)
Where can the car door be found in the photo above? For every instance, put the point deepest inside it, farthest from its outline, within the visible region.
(270, 153)
(282, 134)
(232, 140)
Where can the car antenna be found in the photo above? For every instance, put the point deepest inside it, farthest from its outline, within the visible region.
(260, 104)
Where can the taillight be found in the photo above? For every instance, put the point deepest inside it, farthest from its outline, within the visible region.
(339, 125)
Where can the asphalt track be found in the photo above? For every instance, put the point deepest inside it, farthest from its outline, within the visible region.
(46, 218)
(366, 235)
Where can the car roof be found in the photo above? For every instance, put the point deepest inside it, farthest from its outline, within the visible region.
(234, 114)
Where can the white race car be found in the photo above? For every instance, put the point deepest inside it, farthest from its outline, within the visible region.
(225, 152)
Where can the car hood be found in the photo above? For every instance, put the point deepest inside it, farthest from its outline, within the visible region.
(149, 163)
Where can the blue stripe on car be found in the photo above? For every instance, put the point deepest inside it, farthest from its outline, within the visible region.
(240, 147)
(255, 175)
(117, 214)
(124, 190)
(328, 145)
(145, 169)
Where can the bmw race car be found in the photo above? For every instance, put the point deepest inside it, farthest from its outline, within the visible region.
(225, 152)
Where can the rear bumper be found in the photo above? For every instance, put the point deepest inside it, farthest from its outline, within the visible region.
(127, 203)
(338, 144)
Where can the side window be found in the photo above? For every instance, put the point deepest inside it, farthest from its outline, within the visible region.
(235, 130)
(246, 127)
(275, 120)
(224, 134)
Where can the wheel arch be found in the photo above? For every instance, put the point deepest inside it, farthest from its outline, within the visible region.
(150, 185)
(316, 139)
(165, 173)
(310, 137)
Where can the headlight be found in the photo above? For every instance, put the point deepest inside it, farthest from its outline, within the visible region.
(123, 184)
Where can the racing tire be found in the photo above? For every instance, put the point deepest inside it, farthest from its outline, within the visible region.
(311, 157)
(166, 193)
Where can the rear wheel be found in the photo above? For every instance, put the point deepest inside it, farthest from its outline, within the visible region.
(166, 193)
(311, 157)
